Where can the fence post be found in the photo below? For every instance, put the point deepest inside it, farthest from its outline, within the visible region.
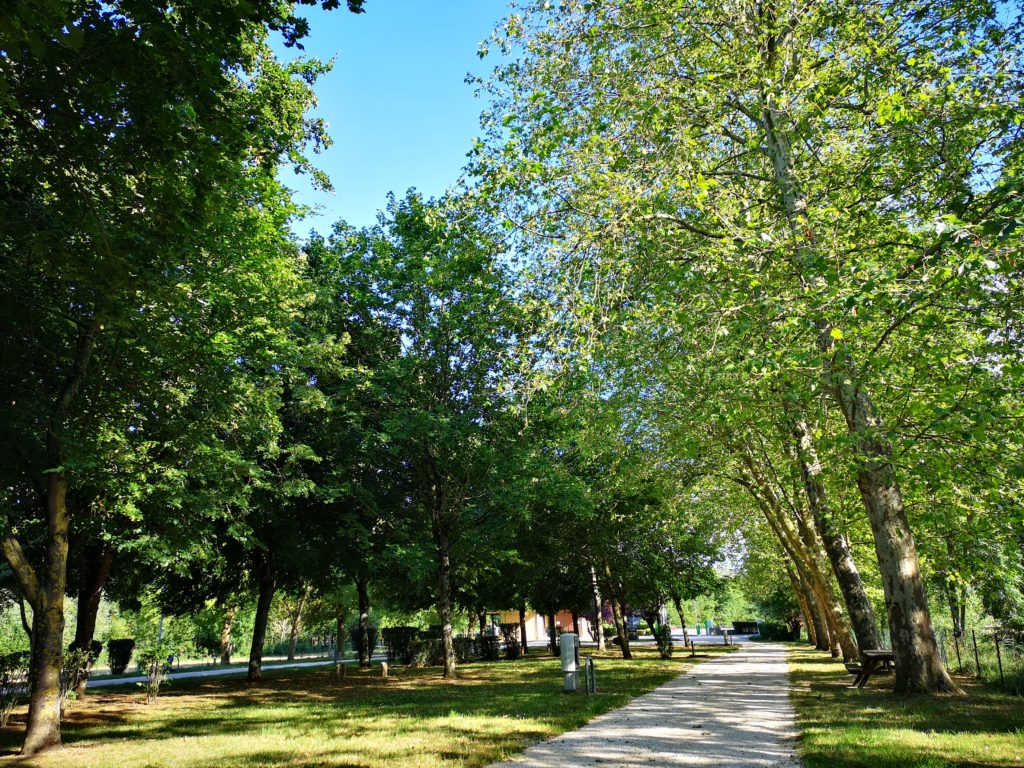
(977, 661)
(956, 647)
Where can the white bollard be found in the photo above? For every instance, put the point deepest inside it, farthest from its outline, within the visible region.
(570, 664)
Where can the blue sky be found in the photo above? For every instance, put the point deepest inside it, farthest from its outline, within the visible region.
(396, 103)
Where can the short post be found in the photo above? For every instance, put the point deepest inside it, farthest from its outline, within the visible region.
(693, 649)
(383, 669)
(977, 661)
(590, 676)
(999, 659)
(570, 663)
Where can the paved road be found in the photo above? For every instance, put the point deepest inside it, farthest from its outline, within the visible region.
(221, 672)
(731, 712)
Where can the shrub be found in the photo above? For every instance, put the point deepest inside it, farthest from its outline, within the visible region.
(372, 633)
(397, 640)
(490, 648)
(154, 664)
(13, 678)
(776, 630)
(426, 652)
(510, 638)
(664, 639)
(467, 649)
(119, 654)
(609, 631)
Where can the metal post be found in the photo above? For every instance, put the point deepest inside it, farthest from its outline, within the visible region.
(570, 667)
(999, 659)
(977, 661)
(589, 676)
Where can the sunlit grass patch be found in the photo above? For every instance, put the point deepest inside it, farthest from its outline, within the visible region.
(306, 718)
(843, 727)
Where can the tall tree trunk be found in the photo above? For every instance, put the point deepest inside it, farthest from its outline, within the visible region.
(295, 623)
(552, 635)
(620, 622)
(678, 603)
(822, 640)
(444, 603)
(90, 591)
(522, 627)
(620, 628)
(800, 546)
(598, 612)
(45, 588)
(259, 629)
(46, 596)
(919, 668)
(225, 634)
(862, 615)
(25, 624)
(363, 598)
(576, 622)
(801, 600)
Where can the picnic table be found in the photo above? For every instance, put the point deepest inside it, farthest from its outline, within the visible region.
(871, 663)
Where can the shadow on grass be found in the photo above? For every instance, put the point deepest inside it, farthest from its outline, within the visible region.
(492, 710)
(845, 727)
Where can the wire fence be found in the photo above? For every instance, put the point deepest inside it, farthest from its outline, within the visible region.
(991, 654)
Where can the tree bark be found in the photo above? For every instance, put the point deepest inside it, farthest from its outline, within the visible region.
(295, 624)
(821, 634)
(90, 592)
(800, 546)
(598, 612)
(576, 621)
(862, 615)
(616, 613)
(259, 630)
(225, 634)
(444, 604)
(363, 593)
(45, 588)
(522, 627)
(678, 602)
(801, 600)
(552, 635)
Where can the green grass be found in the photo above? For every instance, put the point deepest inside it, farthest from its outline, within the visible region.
(306, 718)
(843, 727)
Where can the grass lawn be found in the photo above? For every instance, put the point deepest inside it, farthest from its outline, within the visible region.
(843, 727)
(307, 718)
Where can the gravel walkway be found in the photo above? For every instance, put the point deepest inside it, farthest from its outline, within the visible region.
(732, 712)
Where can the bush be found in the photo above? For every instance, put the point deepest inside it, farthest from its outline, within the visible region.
(776, 630)
(372, 633)
(119, 654)
(398, 640)
(13, 679)
(510, 638)
(609, 631)
(664, 639)
(427, 652)
(490, 648)
(467, 649)
(154, 663)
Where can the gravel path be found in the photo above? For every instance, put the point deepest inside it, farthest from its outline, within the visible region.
(732, 712)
